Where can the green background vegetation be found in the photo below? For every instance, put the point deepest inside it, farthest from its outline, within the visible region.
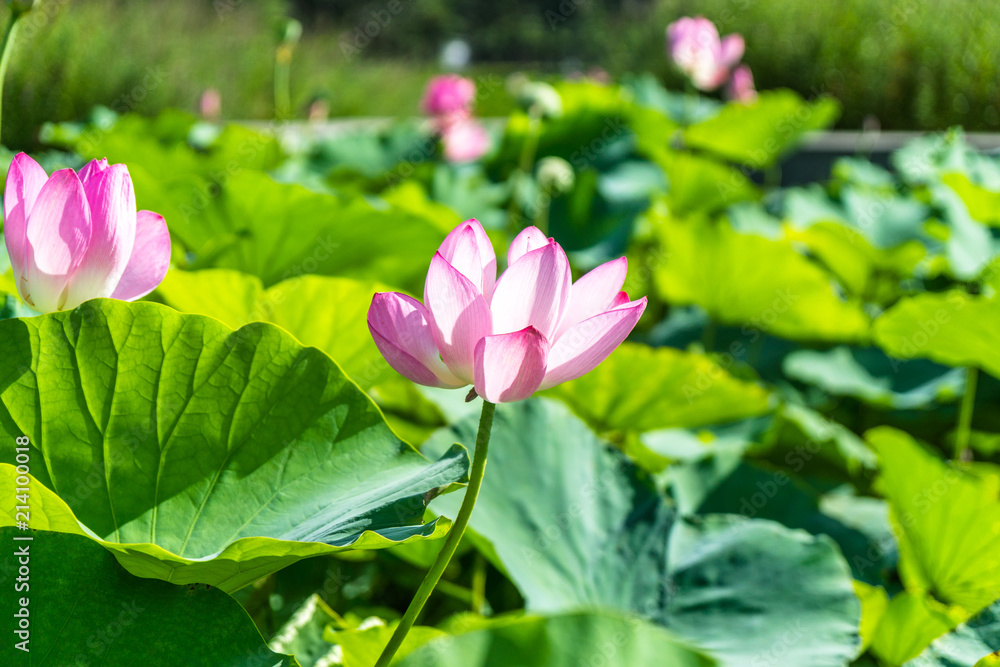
(914, 64)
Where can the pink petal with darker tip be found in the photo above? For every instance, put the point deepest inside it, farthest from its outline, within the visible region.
(510, 367)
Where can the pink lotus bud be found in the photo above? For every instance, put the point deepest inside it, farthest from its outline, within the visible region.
(73, 237)
(319, 111)
(740, 87)
(448, 94)
(694, 46)
(210, 104)
(531, 329)
(464, 140)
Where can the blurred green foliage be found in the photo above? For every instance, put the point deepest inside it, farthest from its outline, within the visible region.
(915, 64)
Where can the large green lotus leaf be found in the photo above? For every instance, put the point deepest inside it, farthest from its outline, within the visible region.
(874, 601)
(947, 522)
(362, 647)
(161, 145)
(698, 183)
(927, 159)
(969, 245)
(277, 231)
(224, 211)
(567, 640)
(377, 153)
(951, 328)
(909, 623)
(885, 219)
(680, 445)
(467, 191)
(639, 388)
(966, 644)
(983, 204)
(322, 311)
(989, 279)
(574, 526)
(759, 133)
(867, 272)
(742, 587)
(602, 206)
(203, 454)
(868, 374)
(410, 196)
(675, 107)
(752, 281)
(813, 445)
(724, 484)
(591, 119)
(86, 610)
(863, 173)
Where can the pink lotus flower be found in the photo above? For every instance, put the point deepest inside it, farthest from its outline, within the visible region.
(696, 49)
(449, 95)
(740, 87)
(464, 140)
(531, 329)
(76, 237)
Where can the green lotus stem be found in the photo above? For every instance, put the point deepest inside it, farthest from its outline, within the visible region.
(479, 584)
(451, 542)
(542, 216)
(530, 145)
(964, 433)
(691, 98)
(9, 37)
(525, 161)
(282, 82)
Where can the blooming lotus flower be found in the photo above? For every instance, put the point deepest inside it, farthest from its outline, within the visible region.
(740, 87)
(531, 329)
(695, 47)
(449, 95)
(73, 237)
(464, 140)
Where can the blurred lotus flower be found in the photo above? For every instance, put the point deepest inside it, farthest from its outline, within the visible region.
(531, 329)
(210, 105)
(464, 140)
(73, 237)
(555, 175)
(449, 95)
(695, 47)
(540, 99)
(740, 86)
(319, 110)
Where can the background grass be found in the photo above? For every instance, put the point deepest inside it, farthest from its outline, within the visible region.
(913, 64)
